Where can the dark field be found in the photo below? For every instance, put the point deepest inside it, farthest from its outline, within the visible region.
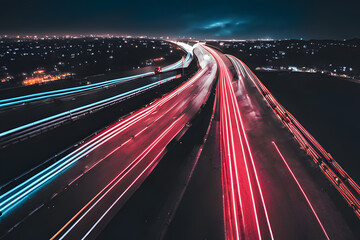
(328, 107)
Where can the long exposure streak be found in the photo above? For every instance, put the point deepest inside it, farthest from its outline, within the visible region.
(242, 221)
(301, 189)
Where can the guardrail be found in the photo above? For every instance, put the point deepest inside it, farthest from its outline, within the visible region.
(35, 128)
(8, 102)
(9, 198)
(61, 154)
(346, 186)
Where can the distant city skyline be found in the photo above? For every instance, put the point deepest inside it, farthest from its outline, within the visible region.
(228, 19)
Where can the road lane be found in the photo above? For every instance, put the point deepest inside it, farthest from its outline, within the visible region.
(295, 193)
(105, 156)
(80, 89)
(244, 204)
(272, 190)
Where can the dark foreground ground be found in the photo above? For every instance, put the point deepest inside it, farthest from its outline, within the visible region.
(328, 107)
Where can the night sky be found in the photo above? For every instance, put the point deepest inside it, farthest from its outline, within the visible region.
(222, 19)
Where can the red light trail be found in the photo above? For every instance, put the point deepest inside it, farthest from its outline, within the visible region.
(142, 164)
(139, 140)
(240, 180)
(301, 189)
(331, 169)
(115, 181)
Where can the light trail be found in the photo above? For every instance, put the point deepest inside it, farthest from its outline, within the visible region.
(106, 190)
(347, 187)
(61, 92)
(236, 114)
(229, 154)
(12, 197)
(115, 181)
(88, 146)
(80, 110)
(117, 148)
(234, 100)
(301, 189)
(227, 125)
(233, 135)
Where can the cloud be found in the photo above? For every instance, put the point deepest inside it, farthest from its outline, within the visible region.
(219, 24)
(218, 27)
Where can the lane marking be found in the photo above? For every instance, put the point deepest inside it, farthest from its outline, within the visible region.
(301, 189)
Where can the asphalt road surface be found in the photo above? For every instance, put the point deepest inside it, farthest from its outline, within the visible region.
(297, 200)
(75, 197)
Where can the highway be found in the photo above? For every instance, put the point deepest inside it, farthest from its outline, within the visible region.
(346, 186)
(31, 120)
(271, 189)
(102, 173)
(277, 181)
(74, 90)
(36, 127)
